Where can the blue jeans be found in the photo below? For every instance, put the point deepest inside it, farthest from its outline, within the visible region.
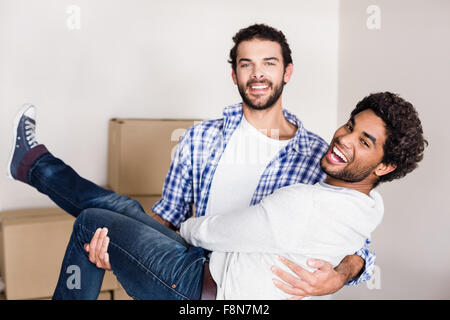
(150, 260)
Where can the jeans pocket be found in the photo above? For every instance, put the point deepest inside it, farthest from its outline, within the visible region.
(189, 280)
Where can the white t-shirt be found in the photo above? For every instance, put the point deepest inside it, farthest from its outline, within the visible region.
(298, 222)
(238, 172)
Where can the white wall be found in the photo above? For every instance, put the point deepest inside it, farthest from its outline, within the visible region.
(409, 55)
(167, 59)
(152, 59)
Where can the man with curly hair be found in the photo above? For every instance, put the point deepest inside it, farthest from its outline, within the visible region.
(382, 141)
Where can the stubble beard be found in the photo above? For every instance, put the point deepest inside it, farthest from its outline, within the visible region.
(273, 98)
(357, 174)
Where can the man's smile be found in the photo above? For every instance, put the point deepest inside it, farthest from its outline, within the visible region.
(258, 88)
(335, 156)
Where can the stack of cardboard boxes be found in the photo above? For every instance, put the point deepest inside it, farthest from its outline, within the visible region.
(33, 241)
(32, 246)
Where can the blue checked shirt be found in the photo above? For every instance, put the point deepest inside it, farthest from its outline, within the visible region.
(198, 153)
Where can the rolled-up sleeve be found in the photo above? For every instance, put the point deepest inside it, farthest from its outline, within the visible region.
(369, 258)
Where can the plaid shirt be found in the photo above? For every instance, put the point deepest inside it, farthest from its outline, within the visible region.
(198, 153)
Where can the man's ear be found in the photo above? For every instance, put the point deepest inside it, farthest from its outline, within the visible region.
(383, 169)
(288, 72)
(233, 75)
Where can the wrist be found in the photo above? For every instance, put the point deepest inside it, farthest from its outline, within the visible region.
(343, 276)
(350, 268)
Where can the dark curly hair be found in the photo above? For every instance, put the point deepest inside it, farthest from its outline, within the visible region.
(405, 143)
(262, 32)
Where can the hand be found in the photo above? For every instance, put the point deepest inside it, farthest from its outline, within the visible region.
(324, 280)
(98, 248)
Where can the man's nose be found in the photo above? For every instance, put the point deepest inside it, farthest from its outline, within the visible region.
(257, 73)
(345, 141)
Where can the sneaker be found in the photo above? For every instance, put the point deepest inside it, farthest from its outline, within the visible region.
(24, 138)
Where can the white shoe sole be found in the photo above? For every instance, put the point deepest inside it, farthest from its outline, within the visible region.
(24, 108)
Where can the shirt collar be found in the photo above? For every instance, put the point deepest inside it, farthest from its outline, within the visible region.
(300, 142)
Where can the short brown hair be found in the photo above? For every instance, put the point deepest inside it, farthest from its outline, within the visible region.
(263, 32)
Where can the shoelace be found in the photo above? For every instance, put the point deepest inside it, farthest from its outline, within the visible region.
(30, 133)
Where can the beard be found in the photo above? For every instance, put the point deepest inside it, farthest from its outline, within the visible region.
(348, 174)
(278, 90)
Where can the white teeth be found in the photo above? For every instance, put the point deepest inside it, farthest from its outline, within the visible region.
(339, 154)
(259, 87)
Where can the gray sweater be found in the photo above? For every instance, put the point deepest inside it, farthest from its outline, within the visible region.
(297, 222)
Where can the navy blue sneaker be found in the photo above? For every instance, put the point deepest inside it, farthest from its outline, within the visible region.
(24, 138)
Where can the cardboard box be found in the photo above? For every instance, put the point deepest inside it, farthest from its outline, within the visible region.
(121, 294)
(105, 295)
(32, 246)
(140, 152)
(30, 213)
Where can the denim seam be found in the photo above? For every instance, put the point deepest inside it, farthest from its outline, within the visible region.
(141, 265)
(187, 268)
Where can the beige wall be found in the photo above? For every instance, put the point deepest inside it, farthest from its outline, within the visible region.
(138, 58)
(409, 55)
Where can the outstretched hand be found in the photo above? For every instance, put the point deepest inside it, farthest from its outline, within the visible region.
(98, 249)
(324, 280)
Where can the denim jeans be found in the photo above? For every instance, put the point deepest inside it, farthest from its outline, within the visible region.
(150, 260)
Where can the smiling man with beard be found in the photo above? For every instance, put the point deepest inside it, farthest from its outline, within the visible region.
(340, 164)
(258, 91)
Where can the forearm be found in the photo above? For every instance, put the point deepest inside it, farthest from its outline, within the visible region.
(350, 267)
